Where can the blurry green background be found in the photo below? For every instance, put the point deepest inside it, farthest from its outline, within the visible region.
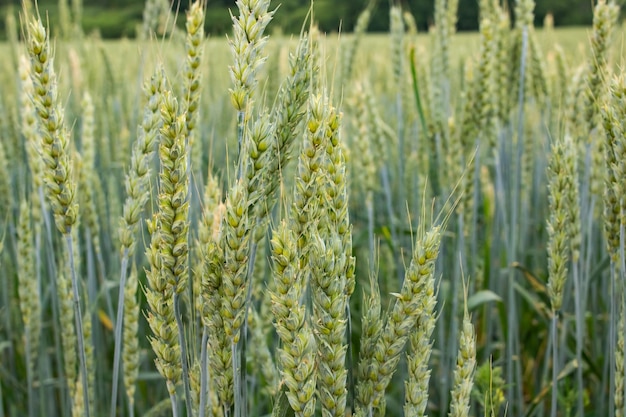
(120, 18)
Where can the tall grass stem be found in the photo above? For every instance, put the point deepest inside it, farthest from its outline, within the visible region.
(203, 372)
(183, 353)
(79, 323)
(117, 354)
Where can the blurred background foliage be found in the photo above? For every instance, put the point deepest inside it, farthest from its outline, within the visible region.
(120, 18)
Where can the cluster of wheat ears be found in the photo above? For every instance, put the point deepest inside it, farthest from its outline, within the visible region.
(321, 237)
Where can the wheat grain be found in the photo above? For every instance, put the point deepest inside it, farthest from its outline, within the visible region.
(192, 78)
(60, 185)
(212, 293)
(131, 352)
(296, 357)
(464, 372)
(332, 279)
(400, 322)
(160, 317)
(502, 62)
(58, 170)
(286, 115)
(604, 20)
(29, 297)
(560, 176)
(416, 385)
(538, 82)
(615, 151)
(168, 251)
(89, 364)
(68, 336)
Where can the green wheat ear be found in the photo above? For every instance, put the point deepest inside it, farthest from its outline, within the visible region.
(131, 352)
(60, 187)
(28, 293)
(297, 354)
(418, 288)
(192, 80)
(465, 368)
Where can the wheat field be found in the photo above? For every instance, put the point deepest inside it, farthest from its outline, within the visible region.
(325, 225)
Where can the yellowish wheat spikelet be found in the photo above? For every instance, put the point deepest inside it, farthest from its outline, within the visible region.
(210, 220)
(192, 73)
(614, 146)
(173, 223)
(137, 180)
(28, 288)
(68, 336)
(131, 351)
(464, 372)
(296, 357)
(236, 238)
(89, 355)
(605, 15)
(560, 177)
(78, 401)
(160, 317)
(416, 386)
(247, 43)
(332, 268)
(168, 251)
(400, 322)
(285, 118)
(60, 187)
(29, 131)
(212, 294)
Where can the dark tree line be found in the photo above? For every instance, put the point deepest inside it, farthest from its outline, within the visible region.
(331, 15)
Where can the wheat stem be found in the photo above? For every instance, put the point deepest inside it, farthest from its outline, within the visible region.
(82, 357)
(203, 373)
